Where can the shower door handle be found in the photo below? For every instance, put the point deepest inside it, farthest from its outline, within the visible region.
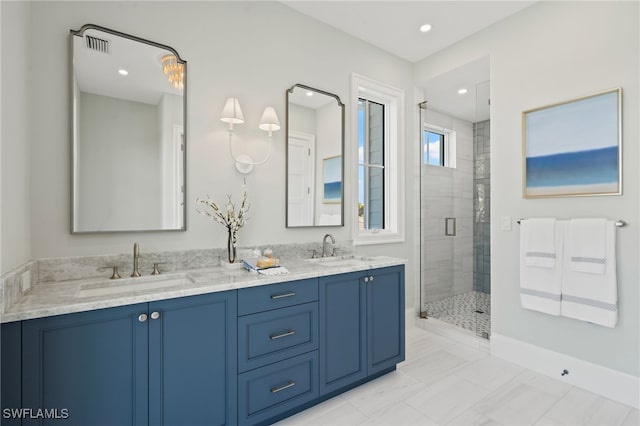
(450, 226)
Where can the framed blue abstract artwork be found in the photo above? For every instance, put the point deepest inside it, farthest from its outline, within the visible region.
(573, 148)
(332, 180)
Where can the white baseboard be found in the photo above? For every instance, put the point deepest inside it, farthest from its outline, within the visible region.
(595, 378)
(409, 318)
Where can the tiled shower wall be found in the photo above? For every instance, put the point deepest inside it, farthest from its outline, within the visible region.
(481, 211)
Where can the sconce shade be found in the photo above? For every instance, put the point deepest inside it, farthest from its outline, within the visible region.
(269, 121)
(232, 113)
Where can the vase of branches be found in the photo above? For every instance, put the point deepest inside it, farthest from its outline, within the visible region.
(233, 219)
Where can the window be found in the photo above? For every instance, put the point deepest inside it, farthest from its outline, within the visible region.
(378, 170)
(438, 146)
(371, 143)
(433, 148)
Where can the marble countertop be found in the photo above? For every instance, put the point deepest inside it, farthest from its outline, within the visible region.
(63, 297)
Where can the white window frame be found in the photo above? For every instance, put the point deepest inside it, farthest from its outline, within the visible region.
(449, 144)
(393, 100)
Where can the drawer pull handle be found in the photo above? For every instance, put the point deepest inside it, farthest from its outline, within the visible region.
(280, 336)
(280, 296)
(281, 388)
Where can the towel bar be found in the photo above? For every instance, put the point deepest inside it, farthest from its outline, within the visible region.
(619, 223)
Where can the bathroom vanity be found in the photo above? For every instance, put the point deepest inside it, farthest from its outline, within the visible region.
(226, 347)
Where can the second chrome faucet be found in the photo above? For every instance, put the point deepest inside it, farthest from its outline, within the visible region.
(325, 253)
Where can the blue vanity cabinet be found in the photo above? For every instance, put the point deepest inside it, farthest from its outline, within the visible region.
(171, 362)
(361, 326)
(10, 369)
(343, 330)
(92, 364)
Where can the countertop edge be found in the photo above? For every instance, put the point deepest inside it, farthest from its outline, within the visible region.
(24, 309)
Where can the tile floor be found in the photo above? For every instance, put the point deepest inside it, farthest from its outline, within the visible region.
(443, 382)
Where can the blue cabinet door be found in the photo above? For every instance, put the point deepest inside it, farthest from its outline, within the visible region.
(92, 364)
(385, 318)
(192, 360)
(342, 330)
(10, 372)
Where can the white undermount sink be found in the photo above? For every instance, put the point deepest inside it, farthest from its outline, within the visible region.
(348, 260)
(132, 285)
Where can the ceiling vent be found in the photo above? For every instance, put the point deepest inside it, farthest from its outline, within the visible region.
(97, 44)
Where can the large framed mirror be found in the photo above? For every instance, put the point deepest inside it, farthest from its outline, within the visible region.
(315, 158)
(128, 133)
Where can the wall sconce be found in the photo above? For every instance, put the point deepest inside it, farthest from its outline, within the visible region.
(232, 114)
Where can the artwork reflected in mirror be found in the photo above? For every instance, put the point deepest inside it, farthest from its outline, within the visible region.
(315, 166)
(129, 144)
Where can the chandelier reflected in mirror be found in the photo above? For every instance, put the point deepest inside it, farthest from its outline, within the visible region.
(174, 71)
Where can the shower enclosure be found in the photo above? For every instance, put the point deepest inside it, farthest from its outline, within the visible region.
(454, 215)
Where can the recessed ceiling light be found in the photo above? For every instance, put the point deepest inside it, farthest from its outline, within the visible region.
(122, 71)
(309, 93)
(462, 91)
(424, 28)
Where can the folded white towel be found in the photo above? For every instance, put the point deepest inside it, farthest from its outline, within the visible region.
(278, 270)
(540, 242)
(541, 288)
(592, 297)
(586, 244)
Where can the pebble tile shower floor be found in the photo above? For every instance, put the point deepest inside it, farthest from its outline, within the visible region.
(470, 310)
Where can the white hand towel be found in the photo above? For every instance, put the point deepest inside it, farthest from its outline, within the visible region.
(541, 288)
(592, 297)
(586, 243)
(540, 242)
(278, 270)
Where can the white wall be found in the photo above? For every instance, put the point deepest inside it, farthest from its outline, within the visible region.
(550, 52)
(301, 50)
(15, 166)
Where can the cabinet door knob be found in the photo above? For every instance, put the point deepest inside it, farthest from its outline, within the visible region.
(371, 278)
(155, 315)
(142, 317)
(366, 279)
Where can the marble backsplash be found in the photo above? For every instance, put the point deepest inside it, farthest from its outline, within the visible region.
(11, 283)
(91, 267)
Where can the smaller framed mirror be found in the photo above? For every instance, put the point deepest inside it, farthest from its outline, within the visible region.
(315, 158)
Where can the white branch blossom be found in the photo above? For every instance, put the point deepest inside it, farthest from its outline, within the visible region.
(230, 219)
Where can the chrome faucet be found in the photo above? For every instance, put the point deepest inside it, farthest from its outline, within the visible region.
(324, 245)
(136, 257)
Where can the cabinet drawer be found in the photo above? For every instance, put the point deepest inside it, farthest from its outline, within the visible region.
(272, 336)
(274, 296)
(268, 391)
